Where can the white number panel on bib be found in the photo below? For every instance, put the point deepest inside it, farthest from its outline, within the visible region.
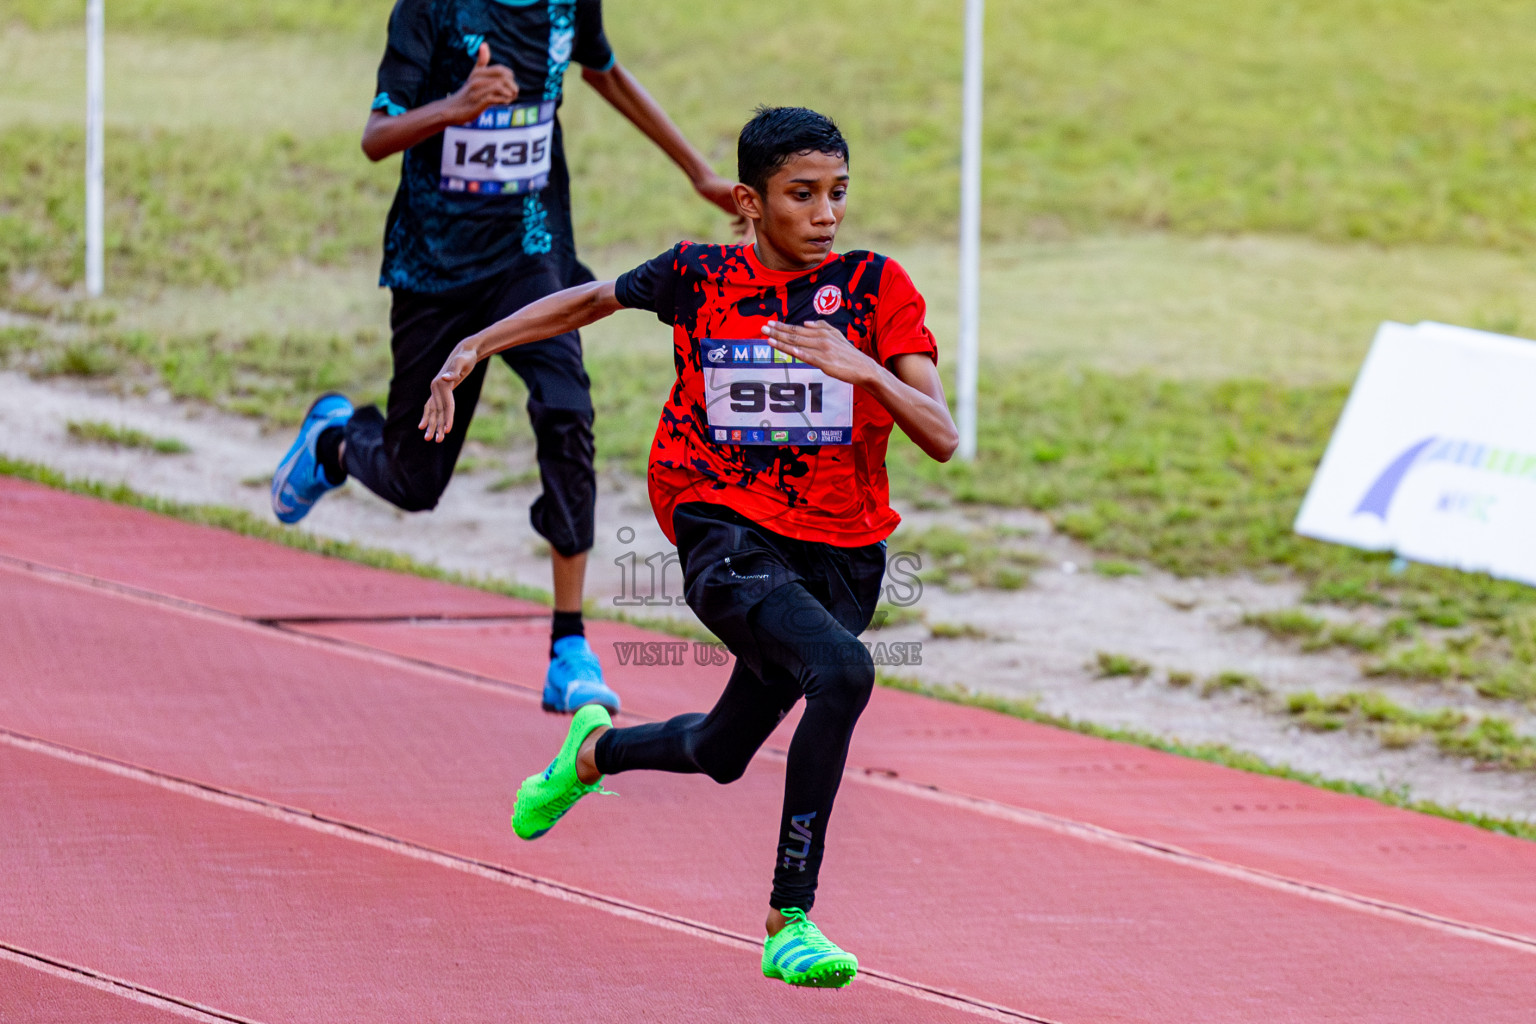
(504, 151)
(755, 394)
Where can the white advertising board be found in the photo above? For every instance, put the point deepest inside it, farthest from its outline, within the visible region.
(1435, 455)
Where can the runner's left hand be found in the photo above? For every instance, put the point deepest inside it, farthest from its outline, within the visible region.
(437, 417)
(823, 346)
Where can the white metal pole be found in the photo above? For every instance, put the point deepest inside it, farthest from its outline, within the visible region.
(970, 227)
(95, 29)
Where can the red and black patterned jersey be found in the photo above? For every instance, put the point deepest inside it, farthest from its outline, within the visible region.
(748, 428)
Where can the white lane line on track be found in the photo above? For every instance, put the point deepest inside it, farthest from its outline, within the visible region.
(1159, 850)
(66, 971)
(265, 628)
(1084, 831)
(480, 869)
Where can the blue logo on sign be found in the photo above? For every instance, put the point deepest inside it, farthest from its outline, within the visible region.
(741, 353)
(762, 353)
(717, 354)
(1473, 455)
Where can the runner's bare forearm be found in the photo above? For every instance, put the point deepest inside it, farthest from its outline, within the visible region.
(555, 314)
(568, 310)
(910, 390)
(914, 396)
(385, 136)
(487, 85)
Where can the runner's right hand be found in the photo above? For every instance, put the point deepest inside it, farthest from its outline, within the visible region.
(437, 417)
(488, 85)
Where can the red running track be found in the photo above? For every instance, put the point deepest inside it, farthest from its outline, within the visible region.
(215, 810)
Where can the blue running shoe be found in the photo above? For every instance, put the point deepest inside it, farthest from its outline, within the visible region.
(300, 481)
(575, 678)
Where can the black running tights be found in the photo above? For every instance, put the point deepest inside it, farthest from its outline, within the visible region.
(806, 653)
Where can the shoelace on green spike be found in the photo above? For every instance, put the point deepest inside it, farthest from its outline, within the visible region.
(803, 928)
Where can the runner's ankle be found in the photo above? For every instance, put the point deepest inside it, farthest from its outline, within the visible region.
(586, 758)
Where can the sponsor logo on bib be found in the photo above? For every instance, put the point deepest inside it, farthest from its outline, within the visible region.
(829, 300)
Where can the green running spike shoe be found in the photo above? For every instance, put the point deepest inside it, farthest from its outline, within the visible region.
(544, 798)
(801, 955)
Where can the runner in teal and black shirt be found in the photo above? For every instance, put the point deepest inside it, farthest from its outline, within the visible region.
(447, 229)
(469, 91)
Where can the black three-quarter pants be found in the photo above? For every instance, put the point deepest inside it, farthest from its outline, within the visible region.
(791, 612)
(387, 454)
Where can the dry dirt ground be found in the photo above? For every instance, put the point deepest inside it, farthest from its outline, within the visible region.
(1038, 642)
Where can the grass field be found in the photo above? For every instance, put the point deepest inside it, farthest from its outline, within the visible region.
(1196, 212)
(1352, 119)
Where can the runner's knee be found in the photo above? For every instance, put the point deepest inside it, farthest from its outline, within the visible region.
(845, 685)
(419, 492)
(563, 513)
(725, 770)
(723, 762)
(562, 435)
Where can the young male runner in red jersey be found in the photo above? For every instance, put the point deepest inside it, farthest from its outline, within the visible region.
(768, 472)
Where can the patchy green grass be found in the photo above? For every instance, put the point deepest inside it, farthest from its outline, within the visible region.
(955, 631)
(1232, 681)
(1194, 476)
(17, 341)
(891, 616)
(1493, 652)
(1315, 633)
(1288, 624)
(1110, 664)
(267, 377)
(510, 480)
(211, 207)
(960, 559)
(1342, 121)
(80, 359)
(208, 17)
(1488, 740)
(100, 432)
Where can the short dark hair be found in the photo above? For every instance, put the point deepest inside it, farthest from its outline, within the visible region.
(777, 133)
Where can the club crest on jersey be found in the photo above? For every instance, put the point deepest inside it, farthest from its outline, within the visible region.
(829, 299)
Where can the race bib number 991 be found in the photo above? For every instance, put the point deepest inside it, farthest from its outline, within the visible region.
(504, 151)
(755, 394)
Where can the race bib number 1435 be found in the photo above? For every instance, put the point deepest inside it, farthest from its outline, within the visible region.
(504, 151)
(755, 394)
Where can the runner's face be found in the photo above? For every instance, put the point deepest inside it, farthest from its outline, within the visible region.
(804, 207)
